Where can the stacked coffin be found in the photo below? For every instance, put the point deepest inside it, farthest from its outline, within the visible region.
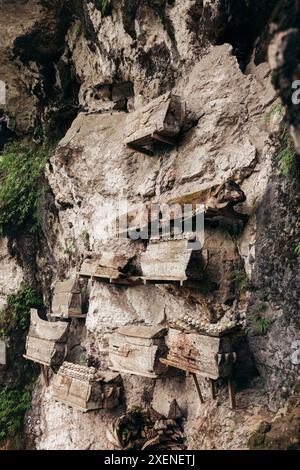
(137, 350)
(46, 341)
(160, 120)
(85, 388)
(67, 300)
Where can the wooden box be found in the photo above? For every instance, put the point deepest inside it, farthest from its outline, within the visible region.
(137, 349)
(169, 261)
(67, 300)
(85, 388)
(160, 120)
(208, 356)
(46, 341)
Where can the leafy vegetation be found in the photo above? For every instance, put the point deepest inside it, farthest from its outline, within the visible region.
(103, 6)
(275, 109)
(16, 315)
(21, 186)
(260, 324)
(297, 250)
(287, 155)
(13, 405)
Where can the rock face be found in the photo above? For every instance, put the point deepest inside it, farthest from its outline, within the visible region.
(74, 72)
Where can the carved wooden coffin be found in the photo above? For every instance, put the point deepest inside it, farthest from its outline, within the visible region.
(159, 120)
(172, 260)
(137, 349)
(46, 341)
(67, 301)
(2, 353)
(85, 388)
(208, 356)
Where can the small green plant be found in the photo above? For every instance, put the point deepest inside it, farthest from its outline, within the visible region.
(297, 250)
(287, 155)
(16, 314)
(70, 246)
(13, 405)
(21, 186)
(276, 109)
(103, 6)
(85, 236)
(260, 324)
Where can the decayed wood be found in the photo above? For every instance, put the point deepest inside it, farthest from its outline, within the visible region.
(171, 261)
(160, 120)
(106, 266)
(45, 343)
(86, 389)
(67, 301)
(212, 388)
(2, 352)
(200, 354)
(231, 393)
(198, 388)
(137, 349)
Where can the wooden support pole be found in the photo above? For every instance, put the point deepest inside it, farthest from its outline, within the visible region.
(198, 387)
(213, 389)
(44, 370)
(231, 393)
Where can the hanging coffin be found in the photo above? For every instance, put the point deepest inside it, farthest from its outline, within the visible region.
(172, 261)
(67, 301)
(160, 120)
(107, 267)
(208, 356)
(46, 341)
(85, 388)
(137, 349)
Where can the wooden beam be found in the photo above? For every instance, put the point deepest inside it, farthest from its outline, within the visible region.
(139, 148)
(231, 393)
(213, 389)
(164, 139)
(45, 375)
(198, 387)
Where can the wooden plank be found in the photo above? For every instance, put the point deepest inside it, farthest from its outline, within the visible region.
(142, 331)
(212, 388)
(231, 392)
(198, 388)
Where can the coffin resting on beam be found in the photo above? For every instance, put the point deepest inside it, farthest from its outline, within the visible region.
(137, 350)
(107, 267)
(46, 341)
(160, 120)
(172, 261)
(85, 388)
(208, 356)
(67, 300)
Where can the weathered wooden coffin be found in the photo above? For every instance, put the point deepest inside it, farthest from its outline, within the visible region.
(172, 260)
(85, 388)
(103, 266)
(159, 120)
(46, 341)
(208, 356)
(137, 349)
(2, 353)
(67, 301)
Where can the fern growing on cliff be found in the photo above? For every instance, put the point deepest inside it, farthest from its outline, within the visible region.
(21, 186)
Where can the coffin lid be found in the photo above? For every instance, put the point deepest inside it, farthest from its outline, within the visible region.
(51, 331)
(142, 331)
(69, 286)
(88, 374)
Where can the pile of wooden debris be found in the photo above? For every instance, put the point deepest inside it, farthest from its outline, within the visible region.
(146, 429)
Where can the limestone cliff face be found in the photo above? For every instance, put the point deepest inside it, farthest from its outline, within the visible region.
(73, 74)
